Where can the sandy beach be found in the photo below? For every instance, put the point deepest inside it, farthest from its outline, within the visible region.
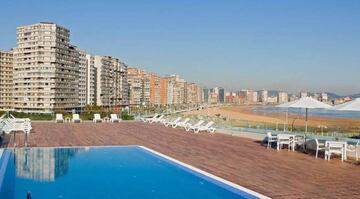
(246, 113)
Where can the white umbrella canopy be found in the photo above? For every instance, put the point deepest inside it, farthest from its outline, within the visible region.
(307, 103)
(353, 105)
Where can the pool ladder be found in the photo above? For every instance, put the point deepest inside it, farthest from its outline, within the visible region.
(28, 195)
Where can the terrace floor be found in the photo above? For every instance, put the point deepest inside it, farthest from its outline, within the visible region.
(243, 161)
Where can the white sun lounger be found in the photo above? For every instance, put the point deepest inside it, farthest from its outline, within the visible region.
(208, 127)
(181, 123)
(158, 119)
(114, 118)
(149, 119)
(97, 118)
(172, 122)
(76, 118)
(59, 118)
(193, 127)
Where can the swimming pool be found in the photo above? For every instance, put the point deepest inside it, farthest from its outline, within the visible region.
(106, 173)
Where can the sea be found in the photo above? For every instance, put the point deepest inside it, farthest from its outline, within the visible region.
(311, 112)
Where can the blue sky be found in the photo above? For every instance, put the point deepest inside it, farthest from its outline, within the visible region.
(285, 45)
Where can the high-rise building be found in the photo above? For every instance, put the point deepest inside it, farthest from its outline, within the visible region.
(263, 96)
(164, 82)
(82, 77)
(104, 80)
(170, 92)
(193, 93)
(120, 84)
(45, 69)
(283, 97)
(139, 85)
(221, 94)
(206, 95)
(6, 80)
(249, 96)
(154, 89)
(90, 80)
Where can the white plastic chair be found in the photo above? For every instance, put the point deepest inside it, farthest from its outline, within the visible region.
(319, 147)
(333, 147)
(283, 139)
(59, 118)
(355, 149)
(270, 139)
(97, 118)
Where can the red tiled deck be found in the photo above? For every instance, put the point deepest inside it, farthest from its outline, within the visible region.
(243, 161)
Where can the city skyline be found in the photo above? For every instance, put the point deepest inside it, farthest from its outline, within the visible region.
(305, 50)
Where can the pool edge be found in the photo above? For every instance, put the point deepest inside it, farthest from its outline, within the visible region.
(207, 174)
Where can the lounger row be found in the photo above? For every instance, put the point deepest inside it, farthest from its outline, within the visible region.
(182, 123)
(12, 124)
(76, 118)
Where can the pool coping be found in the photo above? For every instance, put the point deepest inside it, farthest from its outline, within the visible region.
(212, 178)
(195, 171)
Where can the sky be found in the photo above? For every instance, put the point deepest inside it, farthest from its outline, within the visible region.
(254, 44)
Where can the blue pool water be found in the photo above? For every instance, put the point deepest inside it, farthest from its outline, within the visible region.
(103, 173)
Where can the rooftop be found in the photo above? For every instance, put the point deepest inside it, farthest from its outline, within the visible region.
(243, 161)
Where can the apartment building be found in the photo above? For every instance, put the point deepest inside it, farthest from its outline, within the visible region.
(249, 96)
(120, 95)
(90, 80)
(45, 74)
(45, 69)
(82, 77)
(205, 95)
(154, 89)
(193, 94)
(164, 91)
(221, 94)
(139, 85)
(283, 97)
(145, 95)
(179, 92)
(176, 90)
(6, 80)
(104, 80)
(263, 97)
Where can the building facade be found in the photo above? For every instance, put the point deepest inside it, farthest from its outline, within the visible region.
(104, 80)
(90, 80)
(120, 95)
(263, 97)
(82, 80)
(140, 85)
(283, 97)
(45, 69)
(6, 80)
(154, 89)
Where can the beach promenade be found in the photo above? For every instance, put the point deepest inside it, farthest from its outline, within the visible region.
(243, 161)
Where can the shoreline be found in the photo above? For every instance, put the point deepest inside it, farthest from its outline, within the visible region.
(246, 114)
